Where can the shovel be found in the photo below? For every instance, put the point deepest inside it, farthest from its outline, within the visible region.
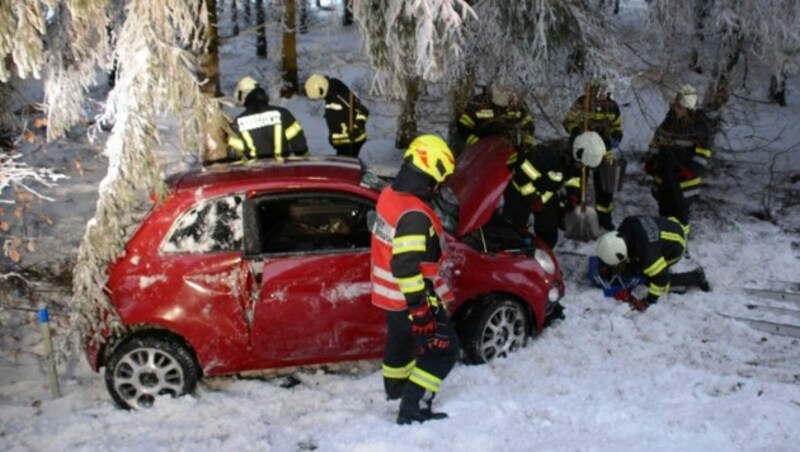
(582, 224)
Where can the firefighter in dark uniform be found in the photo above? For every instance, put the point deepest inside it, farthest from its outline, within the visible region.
(345, 115)
(498, 114)
(650, 245)
(679, 155)
(408, 251)
(537, 176)
(601, 114)
(264, 130)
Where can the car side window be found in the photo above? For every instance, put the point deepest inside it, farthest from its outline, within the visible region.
(214, 225)
(311, 222)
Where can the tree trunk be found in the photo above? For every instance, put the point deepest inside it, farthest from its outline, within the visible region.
(261, 28)
(235, 16)
(407, 121)
(347, 14)
(208, 71)
(460, 95)
(290, 83)
(303, 16)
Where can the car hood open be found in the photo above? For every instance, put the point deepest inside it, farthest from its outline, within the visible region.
(480, 178)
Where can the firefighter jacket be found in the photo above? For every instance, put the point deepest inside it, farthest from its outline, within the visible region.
(266, 131)
(408, 249)
(603, 116)
(345, 116)
(654, 244)
(482, 118)
(680, 152)
(541, 172)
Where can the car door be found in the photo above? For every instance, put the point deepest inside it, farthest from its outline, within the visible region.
(310, 254)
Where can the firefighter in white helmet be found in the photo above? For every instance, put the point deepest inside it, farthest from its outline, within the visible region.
(537, 177)
(502, 112)
(679, 155)
(649, 246)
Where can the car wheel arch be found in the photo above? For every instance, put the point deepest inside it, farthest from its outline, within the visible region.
(140, 332)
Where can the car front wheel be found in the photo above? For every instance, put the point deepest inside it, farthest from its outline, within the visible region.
(494, 330)
(143, 368)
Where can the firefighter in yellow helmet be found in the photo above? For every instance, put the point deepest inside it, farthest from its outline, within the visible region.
(264, 130)
(408, 251)
(345, 115)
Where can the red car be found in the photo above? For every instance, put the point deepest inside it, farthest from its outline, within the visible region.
(267, 264)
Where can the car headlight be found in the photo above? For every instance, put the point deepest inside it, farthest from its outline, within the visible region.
(545, 261)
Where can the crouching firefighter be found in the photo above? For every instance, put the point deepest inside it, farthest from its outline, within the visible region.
(408, 251)
(651, 246)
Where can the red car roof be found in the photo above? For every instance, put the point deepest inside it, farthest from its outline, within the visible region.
(256, 172)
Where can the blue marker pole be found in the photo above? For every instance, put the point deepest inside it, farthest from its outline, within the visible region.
(44, 321)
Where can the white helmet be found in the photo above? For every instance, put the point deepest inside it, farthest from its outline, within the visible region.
(611, 248)
(687, 96)
(316, 86)
(589, 149)
(243, 89)
(501, 94)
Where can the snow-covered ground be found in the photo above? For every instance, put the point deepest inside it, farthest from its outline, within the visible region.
(685, 375)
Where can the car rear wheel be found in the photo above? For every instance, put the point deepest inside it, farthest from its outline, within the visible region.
(143, 368)
(494, 330)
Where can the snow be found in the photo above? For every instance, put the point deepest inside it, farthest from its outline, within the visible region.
(685, 375)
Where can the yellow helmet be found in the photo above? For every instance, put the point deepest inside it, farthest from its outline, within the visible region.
(243, 89)
(316, 86)
(431, 155)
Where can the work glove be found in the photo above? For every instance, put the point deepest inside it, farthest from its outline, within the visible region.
(422, 320)
(440, 340)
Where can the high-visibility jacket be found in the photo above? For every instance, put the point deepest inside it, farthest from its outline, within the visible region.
(603, 117)
(388, 291)
(481, 119)
(654, 244)
(345, 115)
(681, 152)
(267, 131)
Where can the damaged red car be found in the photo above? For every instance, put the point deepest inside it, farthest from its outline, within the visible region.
(266, 264)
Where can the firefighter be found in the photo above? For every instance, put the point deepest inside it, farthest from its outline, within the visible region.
(650, 245)
(539, 174)
(345, 115)
(499, 114)
(408, 251)
(264, 130)
(600, 113)
(679, 155)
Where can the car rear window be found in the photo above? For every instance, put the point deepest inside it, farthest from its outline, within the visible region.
(214, 225)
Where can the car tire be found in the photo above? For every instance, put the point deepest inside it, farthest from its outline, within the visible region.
(494, 330)
(142, 368)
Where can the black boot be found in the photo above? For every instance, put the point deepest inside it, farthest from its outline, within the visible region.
(702, 281)
(411, 412)
(605, 221)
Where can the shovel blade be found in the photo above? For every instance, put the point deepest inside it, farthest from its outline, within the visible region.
(582, 224)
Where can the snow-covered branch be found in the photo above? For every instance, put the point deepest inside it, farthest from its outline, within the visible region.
(14, 173)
